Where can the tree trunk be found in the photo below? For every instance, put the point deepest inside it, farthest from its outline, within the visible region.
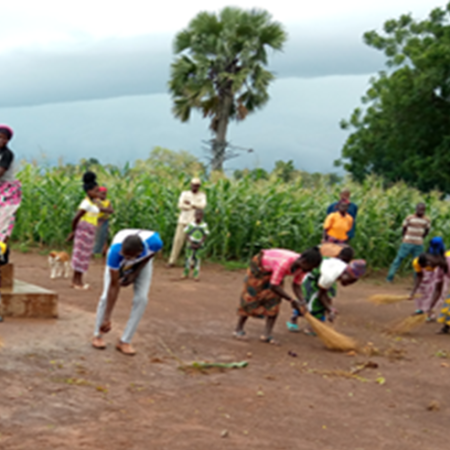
(219, 144)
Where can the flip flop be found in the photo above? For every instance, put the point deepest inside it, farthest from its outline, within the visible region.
(125, 348)
(292, 327)
(98, 343)
(85, 287)
(239, 335)
(269, 340)
(309, 332)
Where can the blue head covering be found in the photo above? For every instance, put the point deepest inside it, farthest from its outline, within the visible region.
(437, 246)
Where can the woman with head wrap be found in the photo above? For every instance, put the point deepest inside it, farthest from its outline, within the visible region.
(10, 188)
(84, 226)
(319, 287)
(425, 267)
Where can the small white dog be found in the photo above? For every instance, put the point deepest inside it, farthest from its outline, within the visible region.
(59, 264)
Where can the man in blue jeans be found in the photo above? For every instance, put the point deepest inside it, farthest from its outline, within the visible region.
(415, 229)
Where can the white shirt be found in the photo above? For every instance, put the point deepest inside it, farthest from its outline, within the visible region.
(150, 239)
(330, 270)
(197, 201)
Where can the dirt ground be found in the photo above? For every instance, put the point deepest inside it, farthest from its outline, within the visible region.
(57, 392)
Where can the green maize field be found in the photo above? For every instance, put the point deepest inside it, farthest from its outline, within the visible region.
(243, 215)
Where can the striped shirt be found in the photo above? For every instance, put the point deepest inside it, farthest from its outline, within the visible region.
(415, 229)
(279, 262)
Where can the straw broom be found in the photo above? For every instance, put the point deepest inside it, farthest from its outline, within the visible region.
(407, 325)
(330, 338)
(387, 299)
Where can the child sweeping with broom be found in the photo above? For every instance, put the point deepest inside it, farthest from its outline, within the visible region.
(319, 287)
(425, 268)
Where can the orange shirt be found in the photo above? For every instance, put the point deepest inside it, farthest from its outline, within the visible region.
(337, 226)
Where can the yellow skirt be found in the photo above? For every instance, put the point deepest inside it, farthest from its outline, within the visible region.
(444, 317)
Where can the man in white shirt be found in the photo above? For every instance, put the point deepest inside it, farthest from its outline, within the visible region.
(188, 202)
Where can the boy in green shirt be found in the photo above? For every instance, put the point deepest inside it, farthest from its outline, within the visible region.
(196, 233)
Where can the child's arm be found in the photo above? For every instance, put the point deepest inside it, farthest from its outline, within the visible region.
(327, 303)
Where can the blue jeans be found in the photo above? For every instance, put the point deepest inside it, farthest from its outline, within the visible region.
(404, 251)
(101, 237)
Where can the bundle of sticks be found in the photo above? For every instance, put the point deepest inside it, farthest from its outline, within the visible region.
(330, 337)
(386, 299)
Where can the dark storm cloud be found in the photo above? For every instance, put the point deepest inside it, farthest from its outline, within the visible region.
(141, 65)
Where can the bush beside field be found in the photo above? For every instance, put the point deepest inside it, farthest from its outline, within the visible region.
(243, 215)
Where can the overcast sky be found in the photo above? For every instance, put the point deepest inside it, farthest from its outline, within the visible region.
(89, 78)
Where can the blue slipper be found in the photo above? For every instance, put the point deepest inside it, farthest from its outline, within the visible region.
(293, 327)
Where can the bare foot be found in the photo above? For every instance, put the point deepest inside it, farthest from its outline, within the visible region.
(170, 265)
(125, 348)
(98, 343)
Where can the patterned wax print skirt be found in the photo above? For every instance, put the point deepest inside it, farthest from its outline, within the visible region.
(83, 245)
(10, 198)
(444, 317)
(257, 299)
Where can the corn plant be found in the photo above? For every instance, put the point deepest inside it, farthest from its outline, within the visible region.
(244, 215)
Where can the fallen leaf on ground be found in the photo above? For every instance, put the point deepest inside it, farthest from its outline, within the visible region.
(434, 406)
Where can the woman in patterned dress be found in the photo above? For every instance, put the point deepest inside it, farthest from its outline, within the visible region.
(263, 286)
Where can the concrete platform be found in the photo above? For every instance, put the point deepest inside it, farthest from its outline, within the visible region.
(28, 300)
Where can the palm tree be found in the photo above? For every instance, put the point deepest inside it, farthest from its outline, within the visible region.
(220, 69)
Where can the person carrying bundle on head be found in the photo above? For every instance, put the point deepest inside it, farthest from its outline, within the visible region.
(425, 268)
(319, 287)
(263, 286)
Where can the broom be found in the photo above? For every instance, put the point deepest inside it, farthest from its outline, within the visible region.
(330, 338)
(387, 299)
(407, 325)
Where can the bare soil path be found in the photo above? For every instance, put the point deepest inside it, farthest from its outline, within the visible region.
(59, 393)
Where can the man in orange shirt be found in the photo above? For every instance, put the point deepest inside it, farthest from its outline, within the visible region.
(337, 225)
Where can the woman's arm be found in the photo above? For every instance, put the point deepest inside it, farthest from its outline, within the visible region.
(283, 294)
(80, 213)
(417, 282)
(299, 304)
